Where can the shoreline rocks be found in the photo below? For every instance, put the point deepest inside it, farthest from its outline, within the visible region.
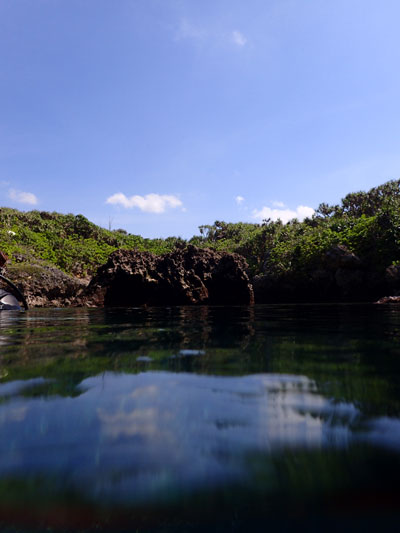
(341, 276)
(193, 276)
(186, 276)
(45, 286)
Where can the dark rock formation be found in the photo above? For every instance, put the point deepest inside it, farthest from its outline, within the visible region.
(392, 286)
(349, 282)
(202, 276)
(340, 257)
(392, 276)
(185, 276)
(44, 286)
(340, 276)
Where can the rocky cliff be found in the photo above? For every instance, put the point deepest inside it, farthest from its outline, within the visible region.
(44, 285)
(340, 276)
(194, 275)
(183, 277)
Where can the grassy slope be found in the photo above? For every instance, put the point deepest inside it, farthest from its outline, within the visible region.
(69, 242)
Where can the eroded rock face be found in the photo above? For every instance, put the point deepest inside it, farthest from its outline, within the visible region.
(183, 277)
(340, 276)
(45, 286)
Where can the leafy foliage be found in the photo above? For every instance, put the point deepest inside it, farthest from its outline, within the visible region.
(72, 243)
(367, 223)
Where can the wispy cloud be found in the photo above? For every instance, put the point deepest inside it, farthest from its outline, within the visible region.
(22, 197)
(239, 200)
(278, 204)
(284, 214)
(187, 30)
(238, 38)
(150, 203)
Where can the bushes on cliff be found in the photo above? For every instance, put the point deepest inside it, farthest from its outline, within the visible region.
(367, 223)
(72, 243)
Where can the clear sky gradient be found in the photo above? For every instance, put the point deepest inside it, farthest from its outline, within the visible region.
(160, 115)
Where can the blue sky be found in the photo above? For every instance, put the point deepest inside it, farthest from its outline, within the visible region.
(160, 115)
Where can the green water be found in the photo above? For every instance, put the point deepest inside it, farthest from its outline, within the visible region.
(200, 419)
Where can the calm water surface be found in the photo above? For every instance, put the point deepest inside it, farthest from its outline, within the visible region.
(200, 419)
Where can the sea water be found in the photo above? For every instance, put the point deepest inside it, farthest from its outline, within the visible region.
(200, 419)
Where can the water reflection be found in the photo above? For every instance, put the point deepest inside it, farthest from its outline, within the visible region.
(139, 436)
(135, 437)
(351, 352)
(150, 407)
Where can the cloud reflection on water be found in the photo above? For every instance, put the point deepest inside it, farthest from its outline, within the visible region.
(139, 436)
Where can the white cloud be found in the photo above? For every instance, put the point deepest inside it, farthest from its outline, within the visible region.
(301, 212)
(238, 38)
(278, 204)
(150, 203)
(22, 197)
(304, 211)
(239, 200)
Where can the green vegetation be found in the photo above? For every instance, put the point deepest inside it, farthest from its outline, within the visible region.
(367, 223)
(69, 242)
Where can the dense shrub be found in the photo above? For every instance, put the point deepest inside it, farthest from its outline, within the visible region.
(72, 243)
(368, 223)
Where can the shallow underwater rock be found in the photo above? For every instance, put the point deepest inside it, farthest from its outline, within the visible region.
(182, 277)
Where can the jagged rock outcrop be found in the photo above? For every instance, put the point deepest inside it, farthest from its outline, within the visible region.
(182, 277)
(43, 285)
(340, 276)
(202, 276)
